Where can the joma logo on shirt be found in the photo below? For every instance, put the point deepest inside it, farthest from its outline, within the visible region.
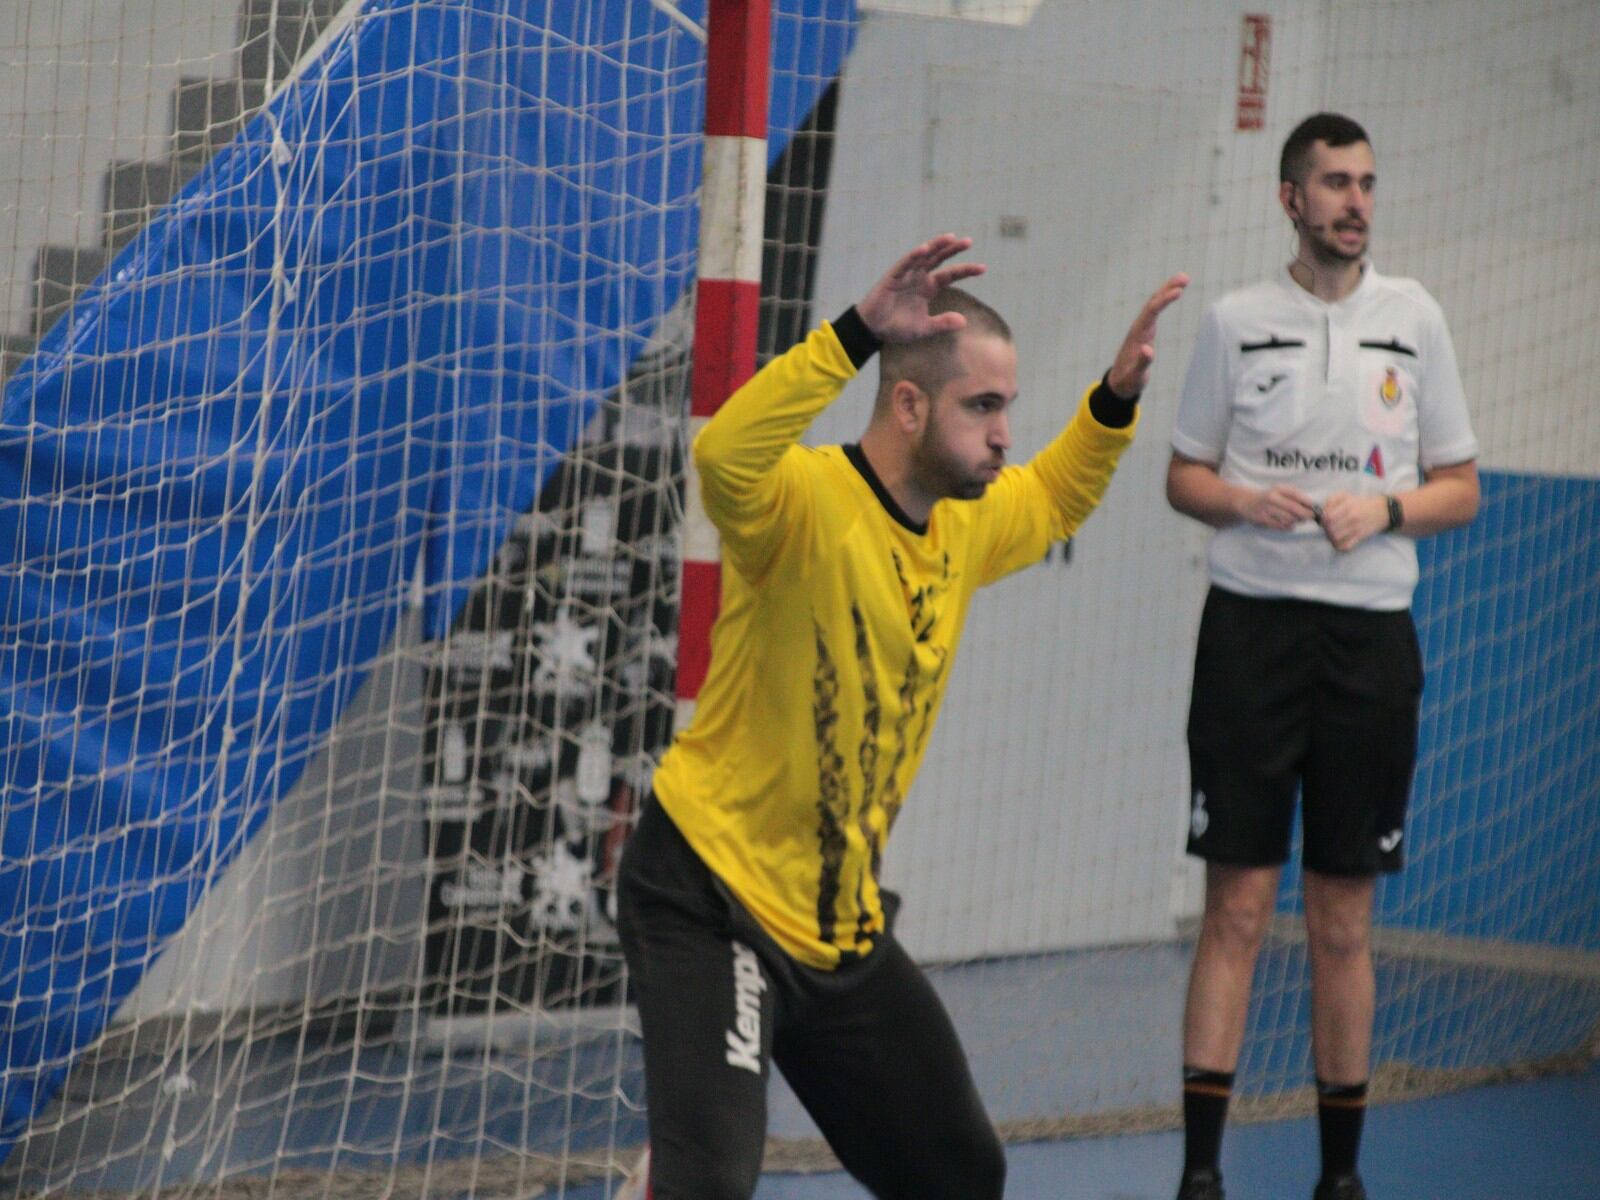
(744, 1039)
(1295, 459)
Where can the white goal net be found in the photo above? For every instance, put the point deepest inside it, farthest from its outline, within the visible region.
(345, 361)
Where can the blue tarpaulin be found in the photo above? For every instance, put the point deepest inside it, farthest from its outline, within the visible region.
(361, 338)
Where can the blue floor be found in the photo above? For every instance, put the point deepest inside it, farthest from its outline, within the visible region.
(1538, 1140)
(1084, 1033)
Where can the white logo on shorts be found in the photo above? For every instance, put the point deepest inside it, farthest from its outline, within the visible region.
(744, 1039)
(1390, 840)
(1199, 818)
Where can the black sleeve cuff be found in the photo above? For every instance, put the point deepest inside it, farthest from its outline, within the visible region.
(1110, 409)
(859, 342)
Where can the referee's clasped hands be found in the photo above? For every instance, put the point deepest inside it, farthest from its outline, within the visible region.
(1278, 507)
(1350, 520)
(1346, 520)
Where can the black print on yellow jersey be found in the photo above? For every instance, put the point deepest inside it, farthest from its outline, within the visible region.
(833, 793)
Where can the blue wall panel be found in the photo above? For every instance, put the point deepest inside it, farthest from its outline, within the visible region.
(1503, 841)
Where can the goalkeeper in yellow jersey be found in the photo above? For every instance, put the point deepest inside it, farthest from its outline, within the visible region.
(750, 909)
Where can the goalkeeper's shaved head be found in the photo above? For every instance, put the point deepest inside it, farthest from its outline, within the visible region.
(931, 362)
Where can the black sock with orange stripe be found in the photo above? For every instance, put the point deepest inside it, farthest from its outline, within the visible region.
(1341, 1107)
(1205, 1112)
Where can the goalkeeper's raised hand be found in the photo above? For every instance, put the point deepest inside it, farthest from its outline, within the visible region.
(896, 309)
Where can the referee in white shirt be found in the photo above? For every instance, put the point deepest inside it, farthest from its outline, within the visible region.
(1322, 429)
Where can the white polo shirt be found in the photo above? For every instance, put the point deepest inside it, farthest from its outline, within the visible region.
(1356, 396)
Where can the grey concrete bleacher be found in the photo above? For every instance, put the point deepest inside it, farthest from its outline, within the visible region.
(206, 113)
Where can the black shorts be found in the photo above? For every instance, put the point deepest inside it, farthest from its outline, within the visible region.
(867, 1048)
(1289, 696)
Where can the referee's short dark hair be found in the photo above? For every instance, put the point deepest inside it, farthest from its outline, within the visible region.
(1333, 128)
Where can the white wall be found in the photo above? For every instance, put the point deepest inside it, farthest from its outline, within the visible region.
(1051, 808)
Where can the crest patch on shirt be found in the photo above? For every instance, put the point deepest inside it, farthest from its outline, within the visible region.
(1389, 390)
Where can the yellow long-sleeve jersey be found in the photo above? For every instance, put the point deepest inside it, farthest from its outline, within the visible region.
(830, 656)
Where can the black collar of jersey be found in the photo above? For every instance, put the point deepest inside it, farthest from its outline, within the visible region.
(858, 460)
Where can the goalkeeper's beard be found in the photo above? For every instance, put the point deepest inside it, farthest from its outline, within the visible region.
(941, 471)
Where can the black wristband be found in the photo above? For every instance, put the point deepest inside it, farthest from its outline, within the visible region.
(859, 342)
(1397, 515)
(1110, 409)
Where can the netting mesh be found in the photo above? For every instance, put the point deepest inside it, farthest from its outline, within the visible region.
(346, 353)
